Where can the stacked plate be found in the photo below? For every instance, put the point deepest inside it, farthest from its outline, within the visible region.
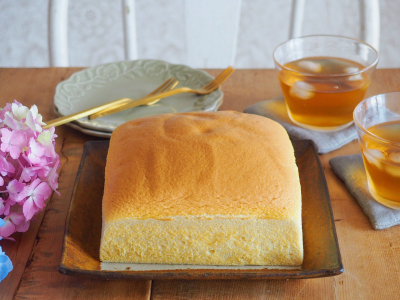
(130, 79)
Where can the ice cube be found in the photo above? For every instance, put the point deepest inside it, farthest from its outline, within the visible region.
(350, 70)
(372, 143)
(310, 65)
(394, 157)
(302, 90)
(304, 86)
(392, 170)
(356, 77)
(373, 156)
(378, 154)
(288, 79)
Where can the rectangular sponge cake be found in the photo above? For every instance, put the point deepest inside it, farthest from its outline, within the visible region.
(209, 188)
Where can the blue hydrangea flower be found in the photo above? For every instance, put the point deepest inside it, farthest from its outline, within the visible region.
(5, 262)
(5, 265)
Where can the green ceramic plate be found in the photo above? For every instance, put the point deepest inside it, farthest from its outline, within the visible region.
(132, 79)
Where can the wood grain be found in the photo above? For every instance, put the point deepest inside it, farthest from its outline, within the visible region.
(36, 254)
(371, 258)
(24, 86)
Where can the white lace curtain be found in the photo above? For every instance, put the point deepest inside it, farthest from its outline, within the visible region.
(95, 30)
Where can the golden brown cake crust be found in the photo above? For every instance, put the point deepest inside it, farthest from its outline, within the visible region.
(201, 164)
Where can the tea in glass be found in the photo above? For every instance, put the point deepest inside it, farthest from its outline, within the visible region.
(323, 78)
(378, 124)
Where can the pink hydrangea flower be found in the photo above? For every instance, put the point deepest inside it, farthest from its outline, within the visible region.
(2, 206)
(53, 178)
(14, 187)
(28, 167)
(29, 173)
(5, 207)
(5, 168)
(34, 119)
(6, 109)
(19, 111)
(13, 141)
(46, 139)
(15, 222)
(11, 122)
(34, 196)
(35, 155)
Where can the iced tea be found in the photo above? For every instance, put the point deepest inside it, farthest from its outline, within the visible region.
(322, 92)
(382, 162)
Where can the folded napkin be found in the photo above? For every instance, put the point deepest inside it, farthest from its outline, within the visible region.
(325, 142)
(350, 168)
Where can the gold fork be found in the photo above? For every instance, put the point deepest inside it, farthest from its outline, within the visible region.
(169, 84)
(208, 88)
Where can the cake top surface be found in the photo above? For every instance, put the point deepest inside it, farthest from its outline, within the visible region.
(206, 164)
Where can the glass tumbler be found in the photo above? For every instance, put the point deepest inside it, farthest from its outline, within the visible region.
(323, 78)
(377, 120)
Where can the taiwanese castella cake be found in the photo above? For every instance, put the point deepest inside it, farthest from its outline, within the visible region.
(210, 188)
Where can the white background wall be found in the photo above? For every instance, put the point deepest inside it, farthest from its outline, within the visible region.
(95, 33)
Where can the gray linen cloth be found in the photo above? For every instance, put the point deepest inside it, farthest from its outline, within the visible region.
(325, 142)
(350, 168)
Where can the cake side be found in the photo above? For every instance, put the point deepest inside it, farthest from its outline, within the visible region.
(204, 241)
(205, 163)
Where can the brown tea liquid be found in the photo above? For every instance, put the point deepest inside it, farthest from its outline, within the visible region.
(382, 162)
(322, 98)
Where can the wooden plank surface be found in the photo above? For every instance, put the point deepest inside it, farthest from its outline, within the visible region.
(371, 258)
(36, 254)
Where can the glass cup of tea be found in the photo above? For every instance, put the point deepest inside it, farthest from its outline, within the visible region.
(323, 78)
(377, 120)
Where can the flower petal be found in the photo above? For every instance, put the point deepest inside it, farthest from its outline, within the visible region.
(5, 265)
(5, 135)
(11, 122)
(14, 151)
(19, 110)
(41, 194)
(15, 186)
(16, 218)
(36, 147)
(28, 189)
(18, 139)
(29, 209)
(31, 122)
(14, 108)
(8, 229)
(23, 226)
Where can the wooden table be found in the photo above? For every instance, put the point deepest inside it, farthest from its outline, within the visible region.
(371, 258)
